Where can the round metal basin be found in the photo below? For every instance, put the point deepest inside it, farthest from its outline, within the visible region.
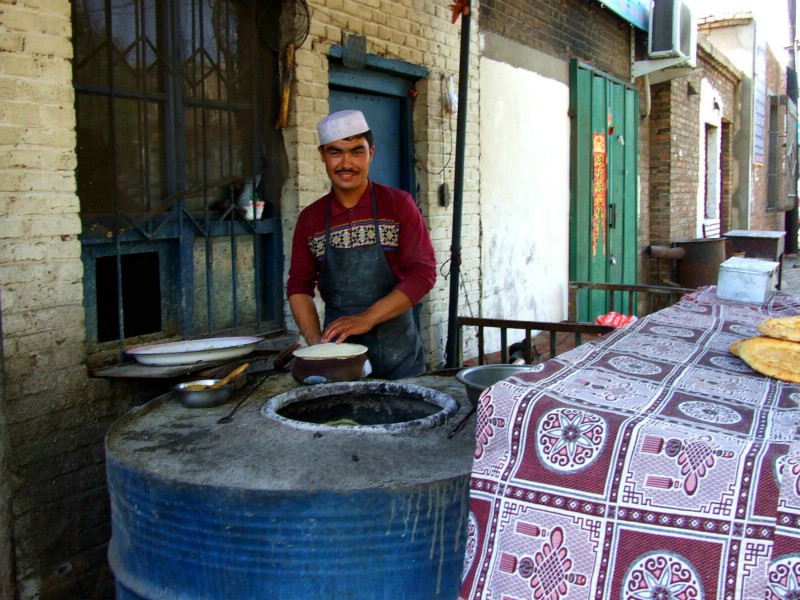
(478, 378)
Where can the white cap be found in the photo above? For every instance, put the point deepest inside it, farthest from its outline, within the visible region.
(340, 125)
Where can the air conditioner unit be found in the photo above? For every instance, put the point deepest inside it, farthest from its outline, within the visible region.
(673, 31)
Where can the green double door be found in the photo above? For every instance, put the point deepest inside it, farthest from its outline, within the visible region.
(603, 186)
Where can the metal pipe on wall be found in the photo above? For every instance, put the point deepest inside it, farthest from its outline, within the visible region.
(791, 217)
(451, 351)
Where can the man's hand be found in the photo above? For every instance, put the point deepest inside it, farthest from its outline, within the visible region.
(344, 327)
(388, 307)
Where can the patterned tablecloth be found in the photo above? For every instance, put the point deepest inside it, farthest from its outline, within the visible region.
(652, 464)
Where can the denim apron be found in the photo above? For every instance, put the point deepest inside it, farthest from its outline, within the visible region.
(353, 279)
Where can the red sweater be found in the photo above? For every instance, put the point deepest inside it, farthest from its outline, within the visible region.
(404, 236)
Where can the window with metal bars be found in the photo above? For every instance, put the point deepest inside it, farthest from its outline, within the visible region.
(782, 154)
(179, 168)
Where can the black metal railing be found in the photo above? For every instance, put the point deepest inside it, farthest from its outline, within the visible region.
(527, 352)
(635, 299)
(645, 298)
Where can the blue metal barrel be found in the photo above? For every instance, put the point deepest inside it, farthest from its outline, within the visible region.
(177, 541)
(203, 513)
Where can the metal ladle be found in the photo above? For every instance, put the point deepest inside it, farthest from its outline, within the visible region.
(229, 417)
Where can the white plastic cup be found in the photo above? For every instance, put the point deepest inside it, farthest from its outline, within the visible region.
(252, 213)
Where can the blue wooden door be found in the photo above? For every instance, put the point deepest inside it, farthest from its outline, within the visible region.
(381, 113)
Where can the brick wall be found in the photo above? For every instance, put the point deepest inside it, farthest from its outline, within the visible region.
(564, 29)
(727, 182)
(686, 157)
(660, 126)
(45, 383)
(55, 503)
(673, 168)
(675, 151)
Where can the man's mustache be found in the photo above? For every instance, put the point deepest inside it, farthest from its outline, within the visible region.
(353, 171)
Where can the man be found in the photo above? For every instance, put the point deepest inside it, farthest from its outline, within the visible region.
(368, 281)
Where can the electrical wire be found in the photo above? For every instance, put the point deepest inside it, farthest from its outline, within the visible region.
(423, 167)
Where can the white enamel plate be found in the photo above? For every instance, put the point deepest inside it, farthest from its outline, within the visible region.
(194, 351)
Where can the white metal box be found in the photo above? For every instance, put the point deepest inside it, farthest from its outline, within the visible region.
(751, 280)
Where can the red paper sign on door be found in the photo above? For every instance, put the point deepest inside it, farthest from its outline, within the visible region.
(598, 191)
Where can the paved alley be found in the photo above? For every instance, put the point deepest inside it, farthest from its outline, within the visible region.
(791, 274)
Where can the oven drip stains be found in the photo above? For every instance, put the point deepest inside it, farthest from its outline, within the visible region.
(407, 508)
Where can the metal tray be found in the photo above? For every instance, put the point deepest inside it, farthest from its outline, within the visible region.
(194, 351)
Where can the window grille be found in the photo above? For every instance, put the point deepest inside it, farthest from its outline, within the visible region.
(175, 106)
(782, 154)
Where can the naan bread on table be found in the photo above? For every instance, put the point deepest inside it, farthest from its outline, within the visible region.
(774, 358)
(781, 328)
(734, 347)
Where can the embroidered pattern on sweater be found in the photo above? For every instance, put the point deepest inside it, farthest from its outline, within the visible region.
(356, 234)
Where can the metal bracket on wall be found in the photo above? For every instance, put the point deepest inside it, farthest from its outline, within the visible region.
(354, 50)
(662, 69)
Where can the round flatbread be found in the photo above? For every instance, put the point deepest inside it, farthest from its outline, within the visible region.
(781, 328)
(734, 347)
(774, 358)
(330, 350)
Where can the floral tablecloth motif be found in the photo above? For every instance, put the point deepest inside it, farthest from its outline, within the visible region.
(650, 464)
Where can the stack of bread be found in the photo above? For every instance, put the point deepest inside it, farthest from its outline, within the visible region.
(775, 353)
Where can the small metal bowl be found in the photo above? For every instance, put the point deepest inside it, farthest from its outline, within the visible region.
(476, 379)
(202, 398)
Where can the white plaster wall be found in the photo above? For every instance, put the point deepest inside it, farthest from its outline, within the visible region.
(737, 44)
(772, 18)
(524, 195)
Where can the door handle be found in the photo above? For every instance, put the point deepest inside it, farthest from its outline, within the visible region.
(612, 215)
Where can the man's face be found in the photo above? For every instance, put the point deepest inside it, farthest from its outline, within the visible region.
(347, 162)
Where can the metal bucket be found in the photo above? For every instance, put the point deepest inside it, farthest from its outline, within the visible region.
(700, 265)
